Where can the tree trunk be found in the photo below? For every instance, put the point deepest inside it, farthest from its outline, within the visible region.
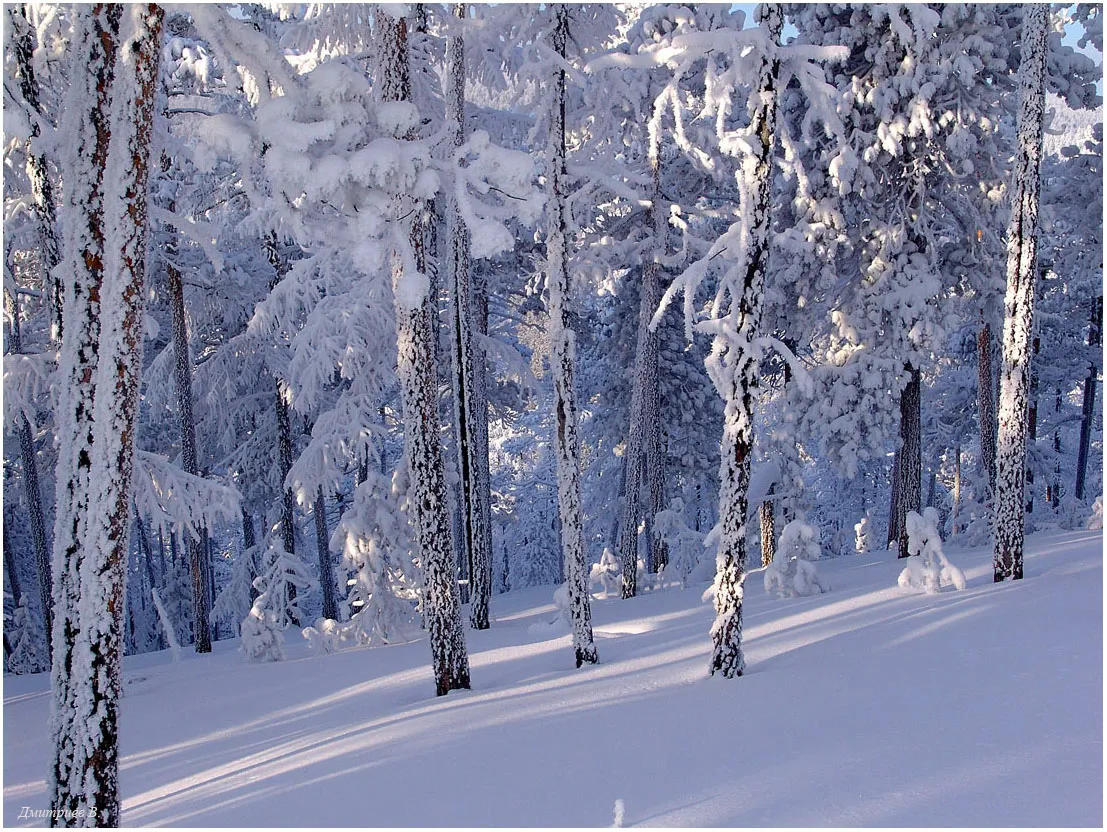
(739, 372)
(644, 433)
(894, 521)
(768, 533)
(417, 370)
(288, 499)
(986, 405)
(562, 362)
(87, 126)
(183, 377)
(1087, 416)
(98, 653)
(42, 190)
(249, 540)
(326, 566)
(469, 397)
(910, 456)
(1032, 421)
(954, 522)
(1018, 322)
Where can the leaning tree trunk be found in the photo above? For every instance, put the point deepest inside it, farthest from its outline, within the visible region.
(1087, 417)
(1018, 322)
(562, 361)
(470, 405)
(98, 653)
(415, 336)
(739, 367)
(910, 455)
(183, 377)
(42, 190)
(88, 129)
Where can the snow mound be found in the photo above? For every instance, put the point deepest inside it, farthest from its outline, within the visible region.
(793, 571)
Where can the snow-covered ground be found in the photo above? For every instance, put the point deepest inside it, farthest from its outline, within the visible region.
(864, 706)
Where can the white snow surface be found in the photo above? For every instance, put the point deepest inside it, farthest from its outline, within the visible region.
(1019, 665)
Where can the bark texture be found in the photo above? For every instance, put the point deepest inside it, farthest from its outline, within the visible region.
(910, 455)
(99, 648)
(563, 360)
(1018, 321)
(1087, 417)
(415, 342)
(740, 370)
(88, 106)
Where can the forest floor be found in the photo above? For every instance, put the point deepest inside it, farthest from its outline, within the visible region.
(866, 706)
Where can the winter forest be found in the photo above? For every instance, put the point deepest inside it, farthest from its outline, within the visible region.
(702, 400)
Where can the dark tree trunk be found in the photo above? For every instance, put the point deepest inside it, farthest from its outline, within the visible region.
(1087, 416)
(288, 499)
(326, 565)
(986, 405)
(910, 425)
(249, 541)
(183, 378)
(1032, 422)
(894, 522)
(768, 533)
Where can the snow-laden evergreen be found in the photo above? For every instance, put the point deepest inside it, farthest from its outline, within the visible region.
(793, 571)
(928, 569)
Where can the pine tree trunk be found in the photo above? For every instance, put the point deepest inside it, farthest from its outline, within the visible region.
(768, 533)
(1018, 322)
(954, 522)
(42, 190)
(740, 371)
(98, 653)
(87, 125)
(1087, 416)
(249, 540)
(288, 499)
(326, 565)
(1032, 421)
(894, 521)
(644, 433)
(470, 406)
(418, 386)
(562, 363)
(910, 456)
(986, 405)
(183, 377)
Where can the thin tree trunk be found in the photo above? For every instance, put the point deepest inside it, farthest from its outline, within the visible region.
(326, 565)
(183, 377)
(955, 521)
(418, 385)
(562, 363)
(768, 533)
(468, 362)
(1087, 415)
(288, 499)
(986, 405)
(741, 369)
(910, 459)
(1032, 421)
(249, 541)
(894, 522)
(99, 650)
(88, 128)
(1018, 322)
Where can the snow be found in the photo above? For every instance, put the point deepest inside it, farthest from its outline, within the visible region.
(1019, 742)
